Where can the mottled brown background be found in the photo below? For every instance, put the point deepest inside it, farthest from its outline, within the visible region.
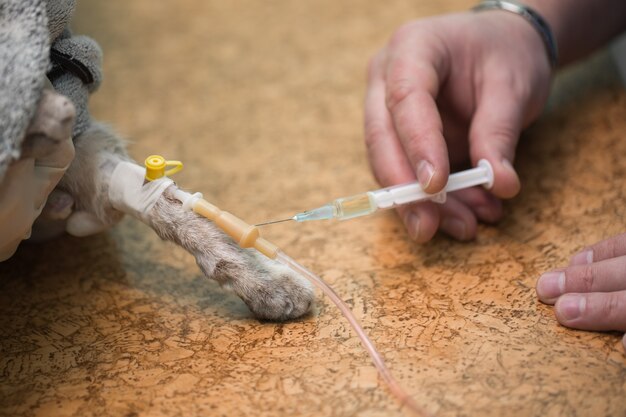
(262, 101)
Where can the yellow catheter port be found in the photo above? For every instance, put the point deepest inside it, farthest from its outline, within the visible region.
(155, 167)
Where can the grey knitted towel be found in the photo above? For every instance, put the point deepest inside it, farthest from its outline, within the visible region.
(34, 43)
(24, 49)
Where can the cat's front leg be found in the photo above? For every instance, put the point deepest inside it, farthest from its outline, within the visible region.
(271, 290)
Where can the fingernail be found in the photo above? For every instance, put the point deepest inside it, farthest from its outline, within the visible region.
(508, 165)
(550, 285)
(582, 258)
(571, 307)
(508, 184)
(624, 341)
(425, 172)
(412, 223)
(454, 227)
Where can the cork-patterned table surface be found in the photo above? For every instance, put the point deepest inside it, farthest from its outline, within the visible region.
(263, 103)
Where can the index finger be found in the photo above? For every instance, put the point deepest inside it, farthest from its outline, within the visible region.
(412, 83)
(386, 155)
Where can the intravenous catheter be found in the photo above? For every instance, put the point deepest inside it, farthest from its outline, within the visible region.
(384, 198)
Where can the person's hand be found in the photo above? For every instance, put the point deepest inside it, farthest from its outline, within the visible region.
(447, 92)
(590, 293)
(47, 151)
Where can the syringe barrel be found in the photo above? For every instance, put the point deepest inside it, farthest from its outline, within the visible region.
(399, 194)
(354, 206)
(367, 203)
(408, 193)
(342, 209)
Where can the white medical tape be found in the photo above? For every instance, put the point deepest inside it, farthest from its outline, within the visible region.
(131, 193)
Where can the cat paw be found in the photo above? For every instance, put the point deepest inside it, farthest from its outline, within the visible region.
(288, 295)
(271, 290)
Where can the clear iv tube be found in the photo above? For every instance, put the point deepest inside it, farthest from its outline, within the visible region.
(395, 388)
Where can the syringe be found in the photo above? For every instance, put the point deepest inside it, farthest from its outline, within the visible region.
(384, 198)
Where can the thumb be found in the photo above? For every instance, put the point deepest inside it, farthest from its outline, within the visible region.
(494, 133)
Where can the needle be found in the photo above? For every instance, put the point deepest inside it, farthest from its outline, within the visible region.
(274, 221)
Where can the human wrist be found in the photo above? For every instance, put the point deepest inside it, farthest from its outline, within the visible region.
(539, 24)
(581, 26)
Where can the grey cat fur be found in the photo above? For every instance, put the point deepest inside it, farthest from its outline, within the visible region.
(270, 290)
